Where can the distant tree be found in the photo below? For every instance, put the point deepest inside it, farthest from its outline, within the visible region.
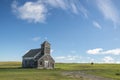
(117, 74)
(92, 63)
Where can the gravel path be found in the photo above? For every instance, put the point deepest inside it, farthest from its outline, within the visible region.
(83, 76)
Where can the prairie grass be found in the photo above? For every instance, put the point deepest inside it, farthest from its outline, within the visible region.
(13, 71)
(105, 70)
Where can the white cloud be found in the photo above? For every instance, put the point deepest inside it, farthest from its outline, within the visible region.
(74, 8)
(52, 51)
(101, 51)
(108, 10)
(85, 59)
(37, 11)
(95, 51)
(77, 8)
(84, 11)
(57, 3)
(60, 57)
(30, 11)
(118, 62)
(68, 58)
(36, 38)
(97, 25)
(92, 60)
(108, 59)
(113, 51)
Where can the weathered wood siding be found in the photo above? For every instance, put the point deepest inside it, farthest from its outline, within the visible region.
(46, 62)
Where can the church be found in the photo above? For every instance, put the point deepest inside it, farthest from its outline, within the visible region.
(39, 58)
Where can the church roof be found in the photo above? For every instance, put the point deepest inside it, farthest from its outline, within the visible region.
(32, 53)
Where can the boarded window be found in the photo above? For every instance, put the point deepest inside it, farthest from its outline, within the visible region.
(53, 65)
(40, 63)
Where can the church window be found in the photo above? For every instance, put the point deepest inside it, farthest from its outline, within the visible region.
(40, 63)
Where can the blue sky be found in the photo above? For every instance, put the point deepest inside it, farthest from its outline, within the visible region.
(78, 30)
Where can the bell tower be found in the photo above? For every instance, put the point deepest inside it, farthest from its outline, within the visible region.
(45, 48)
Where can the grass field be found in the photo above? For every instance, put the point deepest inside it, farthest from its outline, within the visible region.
(13, 71)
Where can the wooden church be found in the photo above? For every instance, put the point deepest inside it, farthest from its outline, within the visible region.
(39, 58)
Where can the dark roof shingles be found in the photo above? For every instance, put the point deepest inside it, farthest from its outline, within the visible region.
(32, 53)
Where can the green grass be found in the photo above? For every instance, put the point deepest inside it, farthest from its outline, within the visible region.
(105, 70)
(13, 71)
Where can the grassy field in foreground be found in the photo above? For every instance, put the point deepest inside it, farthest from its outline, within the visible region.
(105, 70)
(13, 71)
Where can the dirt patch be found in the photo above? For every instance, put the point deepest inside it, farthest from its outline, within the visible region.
(83, 76)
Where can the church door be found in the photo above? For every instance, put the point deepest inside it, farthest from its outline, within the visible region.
(46, 64)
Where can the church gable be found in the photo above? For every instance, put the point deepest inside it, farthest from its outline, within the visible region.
(46, 58)
(46, 61)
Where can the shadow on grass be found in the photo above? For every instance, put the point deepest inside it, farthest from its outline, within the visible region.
(11, 68)
(19, 68)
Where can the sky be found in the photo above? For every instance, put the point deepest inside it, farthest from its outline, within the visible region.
(79, 31)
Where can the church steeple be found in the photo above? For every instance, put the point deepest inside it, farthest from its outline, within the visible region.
(45, 47)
